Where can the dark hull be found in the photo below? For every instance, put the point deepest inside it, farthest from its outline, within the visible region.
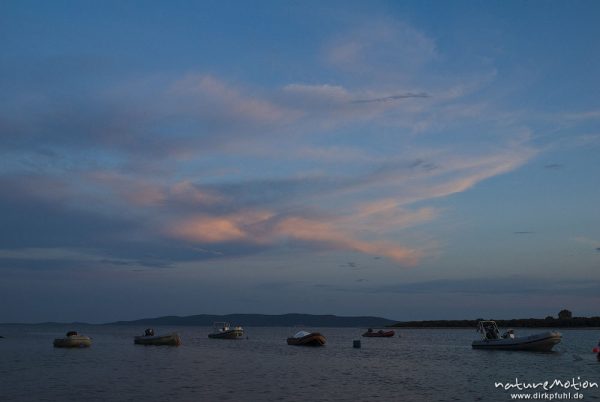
(314, 339)
(231, 334)
(387, 334)
(166, 340)
(73, 342)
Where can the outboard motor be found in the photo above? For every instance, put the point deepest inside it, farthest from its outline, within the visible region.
(508, 334)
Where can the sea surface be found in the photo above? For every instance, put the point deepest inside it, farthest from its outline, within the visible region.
(417, 365)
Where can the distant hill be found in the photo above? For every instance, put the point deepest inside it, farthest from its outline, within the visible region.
(263, 320)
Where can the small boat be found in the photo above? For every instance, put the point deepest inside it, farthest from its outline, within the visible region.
(379, 334)
(157, 340)
(542, 342)
(222, 330)
(304, 338)
(73, 340)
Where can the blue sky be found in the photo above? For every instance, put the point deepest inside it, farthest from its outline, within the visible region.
(413, 160)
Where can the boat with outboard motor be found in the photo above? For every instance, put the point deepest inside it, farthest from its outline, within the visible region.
(157, 340)
(73, 340)
(542, 342)
(222, 330)
(304, 338)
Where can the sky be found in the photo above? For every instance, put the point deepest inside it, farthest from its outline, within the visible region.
(410, 160)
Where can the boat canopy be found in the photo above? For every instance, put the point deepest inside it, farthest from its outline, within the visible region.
(221, 326)
(488, 329)
(301, 334)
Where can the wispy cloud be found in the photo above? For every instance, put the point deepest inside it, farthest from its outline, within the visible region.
(387, 46)
(583, 115)
(588, 242)
(392, 98)
(265, 228)
(326, 234)
(216, 163)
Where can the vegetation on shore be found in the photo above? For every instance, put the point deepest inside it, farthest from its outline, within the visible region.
(564, 320)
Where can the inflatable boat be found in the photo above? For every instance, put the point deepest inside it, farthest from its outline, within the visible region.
(223, 330)
(542, 342)
(157, 340)
(378, 334)
(73, 340)
(304, 338)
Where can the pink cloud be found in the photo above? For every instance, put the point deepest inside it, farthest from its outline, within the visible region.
(241, 226)
(260, 228)
(325, 233)
(209, 229)
(388, 215)
(205, 95)
(188, 192)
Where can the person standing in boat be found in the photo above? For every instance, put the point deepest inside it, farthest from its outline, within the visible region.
(149, 332)
(491, 332)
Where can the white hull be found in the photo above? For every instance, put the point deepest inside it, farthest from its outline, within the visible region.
(73, 341)
(543, 342)
(171, 340)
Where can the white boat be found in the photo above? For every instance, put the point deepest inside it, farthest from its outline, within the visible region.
(542, 342)
(222, 330)
(73, 340)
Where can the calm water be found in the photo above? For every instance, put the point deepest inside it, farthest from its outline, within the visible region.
(420, 365)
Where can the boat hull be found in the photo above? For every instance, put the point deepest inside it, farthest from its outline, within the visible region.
(543, 342)
(313, 339)
(73, 342)
(386, 334)
(229, 334)
(164, 340)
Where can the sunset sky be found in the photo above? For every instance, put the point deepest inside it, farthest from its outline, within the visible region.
(411, 160)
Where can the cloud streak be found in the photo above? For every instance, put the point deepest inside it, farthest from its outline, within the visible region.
(392, 98)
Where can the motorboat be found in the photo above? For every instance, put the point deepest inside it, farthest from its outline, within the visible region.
(222, 330)
(304, 338)
(73, 340)
(149, 338)
(491, 339)
(378, 334)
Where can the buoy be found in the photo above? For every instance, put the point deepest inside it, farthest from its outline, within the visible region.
(356, 344)
(596, 349)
